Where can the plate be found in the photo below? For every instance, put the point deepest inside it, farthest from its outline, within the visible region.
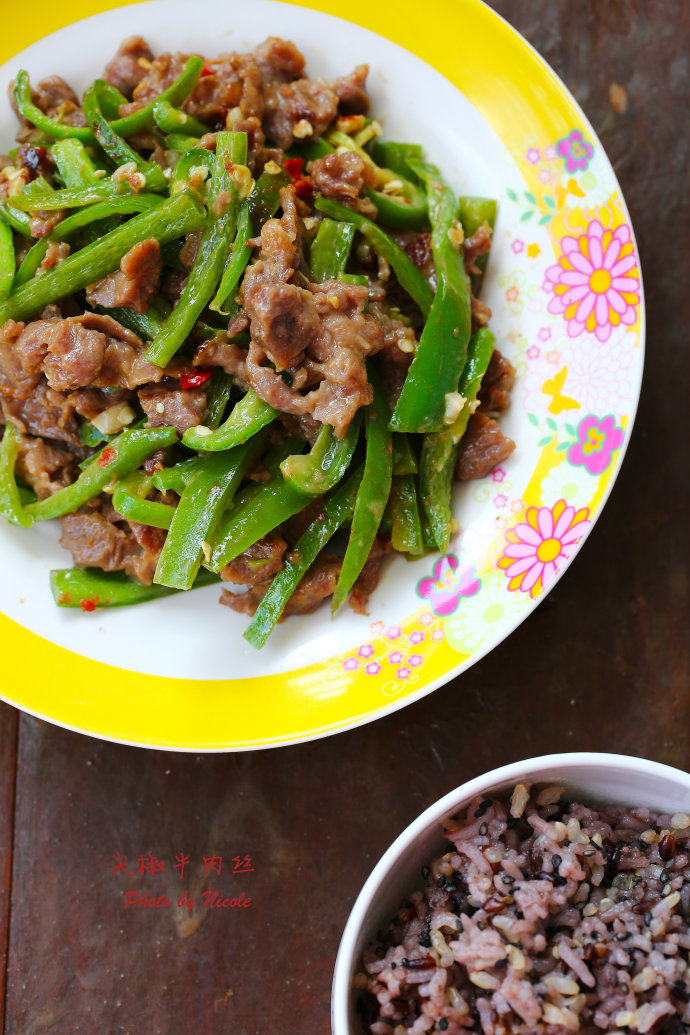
(566, 294)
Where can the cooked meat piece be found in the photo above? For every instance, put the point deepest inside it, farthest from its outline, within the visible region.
(95, 541)
(42, 223)
(352, 93)
(497, 384)
(189, 249)
(44, 413)
(22, 351)
(284, 322)
(279, 60)
(173, 285)
(341, 176)
(303, 104)
(34, 158)
(94, 349)
(417, 246)
(258, 564)
(368, 578)
(141, 564)
(176, 407)
(478, 244)
(318, 584)
(481, 314)
(56, 252)
(135, 283)
(164, 69)
(126, 70)
(45, 468)
(90, 402)
(399, 346)
(50, 93)
(483, 447)
(218, 352)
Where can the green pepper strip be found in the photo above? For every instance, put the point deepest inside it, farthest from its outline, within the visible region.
(473, 212)
(74, 163)
(406, 533)
(213, 251)
(172, 218)
(330, 250)
(442, 349)
(196, 517)
(260, 514)
(172, 120)
(64, 230)
(337, 509)
(102, 190)
(129, 500)
(10, 501)
(394, 156)
(194, 158)
(318, 471)
(176, 477)
(73, 587)
(137, 122)
(410, 278)
(373, 492)
(217, 397)
(264, 200)
(19, 221)
(404, 459)
(439, 451)
(7, 259)
(271, 461)
(180, 142)
(146, 325)
(120, 456)
(113, 145)
(247, 417)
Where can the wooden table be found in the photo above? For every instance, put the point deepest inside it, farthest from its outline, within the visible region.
(602, 664)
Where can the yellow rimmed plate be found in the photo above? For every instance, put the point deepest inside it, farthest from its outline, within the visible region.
(565, 289)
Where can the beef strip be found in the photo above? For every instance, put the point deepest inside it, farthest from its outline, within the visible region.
(279, 60)
(497, 384)
(483, 447)
(478, 244)
(351, 91)
(318, 584)
(101, 539)
(258, 564)
(45, 468)
(135, 283)
(306, 105)
(44, 413)
(219, 352)
(341, 176)
(129, 66)
(175, 407)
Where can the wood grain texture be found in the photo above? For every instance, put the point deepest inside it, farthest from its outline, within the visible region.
(602, 664)
(9, 723)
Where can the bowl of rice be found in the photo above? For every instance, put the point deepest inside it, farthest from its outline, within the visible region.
(551, 895)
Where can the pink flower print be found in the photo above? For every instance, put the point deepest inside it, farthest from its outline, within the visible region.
(544, 176)
(350, 664)
(437, 634)
(538, 547)
(416, 637)
(366, 650)
(518, 246)
(544, 333)
(575, 151)
(498, 474)
(395, 658)
(533, 352)
(426, 619)
(533, 155)
(500, 500)
(415, 660)
(394, 632)
(592, 285)
(403, 673)
(373, 668)
(447, 583)
(597, 441)
(517, 506)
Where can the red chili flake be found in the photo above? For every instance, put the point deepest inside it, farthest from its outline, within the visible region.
(304, 188)
(205, 71)
(195, 380)
(293, 167)
(88, 605)
(106, 457)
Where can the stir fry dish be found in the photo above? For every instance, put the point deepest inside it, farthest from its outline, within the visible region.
(240, 337)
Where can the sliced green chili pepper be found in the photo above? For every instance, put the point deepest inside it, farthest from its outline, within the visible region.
(113, 145)
(373, 492)
(410, 278)
(180, 143)
(19, 221)
(336, 510)
(74, 163)
(146, 325)
(176, 477)
(406, 533)
(231, 148)
(7, 259)
(194, 158)
(264, 200)
(120, 456)
(247, 417)
(170, 219)
(394, 156)
(473, 212)
(439, 450)
(330, 250)
(318, 471)
(64, 230)
(111, 101)
(129, 500)
(442, 349)
(404, 459)
(217, 397)
(196, 517)
(91, 588)
(172, 120)
(92, 437)
(10, 500)
(102, 190)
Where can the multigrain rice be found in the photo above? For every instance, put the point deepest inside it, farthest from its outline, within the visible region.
(543, 917)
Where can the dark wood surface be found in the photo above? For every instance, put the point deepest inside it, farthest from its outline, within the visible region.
(602, 664)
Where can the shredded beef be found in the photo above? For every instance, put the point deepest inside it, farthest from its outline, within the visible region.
(341, 176)
(481, 314)
(478, 244)
(21, 356)
(483, 447)
(279, 60)
(96, 541)
(44, 413)
(219, 352)
(296, 103)
(126, 70)
(179, 408)
(57, 98)
(417, 246)
(318, 584)
(368, 578)
(42, 223)
(258, 564)
(56, 252)
(135, 283)
(45, 468)
(351, 91)
(497, 384)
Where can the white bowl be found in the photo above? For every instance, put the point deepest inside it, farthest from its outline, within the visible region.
(597, 778)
